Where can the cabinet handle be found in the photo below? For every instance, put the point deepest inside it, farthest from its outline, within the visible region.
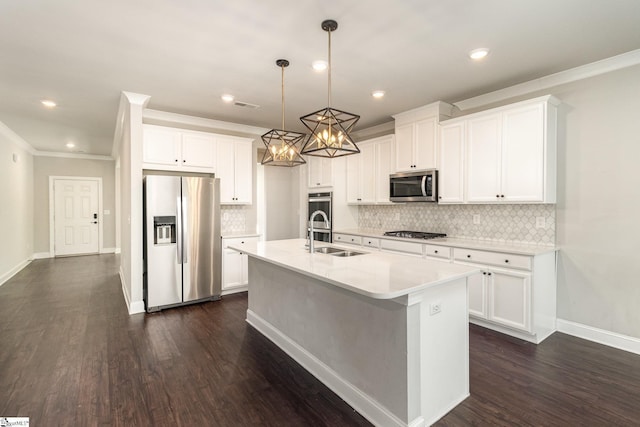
(468, 256)
(435, 252)
(497, 196)
(507, 261)
(489, 274)
(502, 195)
(484, 273)
(176, 160)
(242, 243)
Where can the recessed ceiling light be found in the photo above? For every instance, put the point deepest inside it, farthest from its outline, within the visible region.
(319, 65)
(48, 103)
(377, 93)
(478, 53)
(70, 145)
(228, 98)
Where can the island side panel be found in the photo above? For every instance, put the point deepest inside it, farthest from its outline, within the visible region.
(438, 368)
(363, 340)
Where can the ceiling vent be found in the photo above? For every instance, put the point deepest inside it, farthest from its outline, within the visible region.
(245, 104)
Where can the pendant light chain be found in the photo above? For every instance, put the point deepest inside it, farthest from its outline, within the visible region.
(329, 72)
(282, 68)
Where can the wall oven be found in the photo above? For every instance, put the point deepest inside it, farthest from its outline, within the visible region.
(322, 202)
(419, 186)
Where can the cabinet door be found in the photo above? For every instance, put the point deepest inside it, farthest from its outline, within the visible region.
(425, 144)
(523, 154)
(243, 172)
(509, 294)
(226, 170)
(384, 156)
(319, 171)
(477, 289)
(451, 172)
(367, 173)
(404, 148)
(161, 146)
(232, 269)
(199, 150)
(353, 178)
(484, 159)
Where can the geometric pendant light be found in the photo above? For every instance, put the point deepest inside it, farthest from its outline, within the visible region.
(329, 128)
(283, 146)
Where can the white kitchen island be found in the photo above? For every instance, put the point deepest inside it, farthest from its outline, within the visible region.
(388, 333)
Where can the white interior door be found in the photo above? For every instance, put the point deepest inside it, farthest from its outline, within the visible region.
(76, 227)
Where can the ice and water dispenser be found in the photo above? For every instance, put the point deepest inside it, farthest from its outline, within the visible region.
(164, 230)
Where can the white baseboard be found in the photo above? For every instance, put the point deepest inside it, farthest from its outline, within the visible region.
(134, 307)
(361, 402)
(42, 255)
(15, 270)
(108, 251)
(611, 339)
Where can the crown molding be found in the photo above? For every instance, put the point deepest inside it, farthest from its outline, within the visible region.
(71, 155)
(593, 69)
(16, 139)
(165, 118)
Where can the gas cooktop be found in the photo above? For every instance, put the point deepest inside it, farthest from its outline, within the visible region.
(414, 234)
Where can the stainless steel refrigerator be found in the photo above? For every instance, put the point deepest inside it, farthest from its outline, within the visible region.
(182, 245)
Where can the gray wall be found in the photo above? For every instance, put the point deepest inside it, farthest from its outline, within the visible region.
(598, 210)
(281, 184)
(16, 209)
(44, 167)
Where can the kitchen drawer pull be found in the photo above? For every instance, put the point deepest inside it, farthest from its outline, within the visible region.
(507, 261)
(435, 252)
(468, 256)
(489, 274)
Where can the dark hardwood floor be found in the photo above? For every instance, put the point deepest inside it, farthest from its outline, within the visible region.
(71, 355)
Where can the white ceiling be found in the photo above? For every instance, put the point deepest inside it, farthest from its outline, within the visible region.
(185, 54)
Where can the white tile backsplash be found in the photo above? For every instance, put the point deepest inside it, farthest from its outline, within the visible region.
(501, 223)
(233, 219)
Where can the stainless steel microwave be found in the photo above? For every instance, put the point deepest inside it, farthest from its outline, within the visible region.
(419, 186)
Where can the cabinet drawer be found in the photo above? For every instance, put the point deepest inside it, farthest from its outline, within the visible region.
(238, 241)
(493, 258)
(347, 238)
(400, 246)
(371, 242)
(437, 251)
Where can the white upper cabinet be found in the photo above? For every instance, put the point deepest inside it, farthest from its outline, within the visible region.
(166, 148)
(368, 172)
(235, 170)
(319, 171)
(503, 155)
(451, 169)
(484, 158)
(416, 133)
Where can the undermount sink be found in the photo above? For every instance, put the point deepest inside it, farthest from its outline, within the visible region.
(348, 253)
(328, 250)
(337, 251)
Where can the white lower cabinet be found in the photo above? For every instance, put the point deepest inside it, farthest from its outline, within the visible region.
(519, 300)
(235, 265)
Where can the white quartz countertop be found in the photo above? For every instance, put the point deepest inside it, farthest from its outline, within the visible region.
(455, 242)
(375, 274)
(238, 235)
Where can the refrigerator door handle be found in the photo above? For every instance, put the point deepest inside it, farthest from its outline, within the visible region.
(179, 229)
(185, 232)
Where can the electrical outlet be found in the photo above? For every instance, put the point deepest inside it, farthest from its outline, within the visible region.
(540, 222)
(396, 216)
(476, 219)
(435, 308)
